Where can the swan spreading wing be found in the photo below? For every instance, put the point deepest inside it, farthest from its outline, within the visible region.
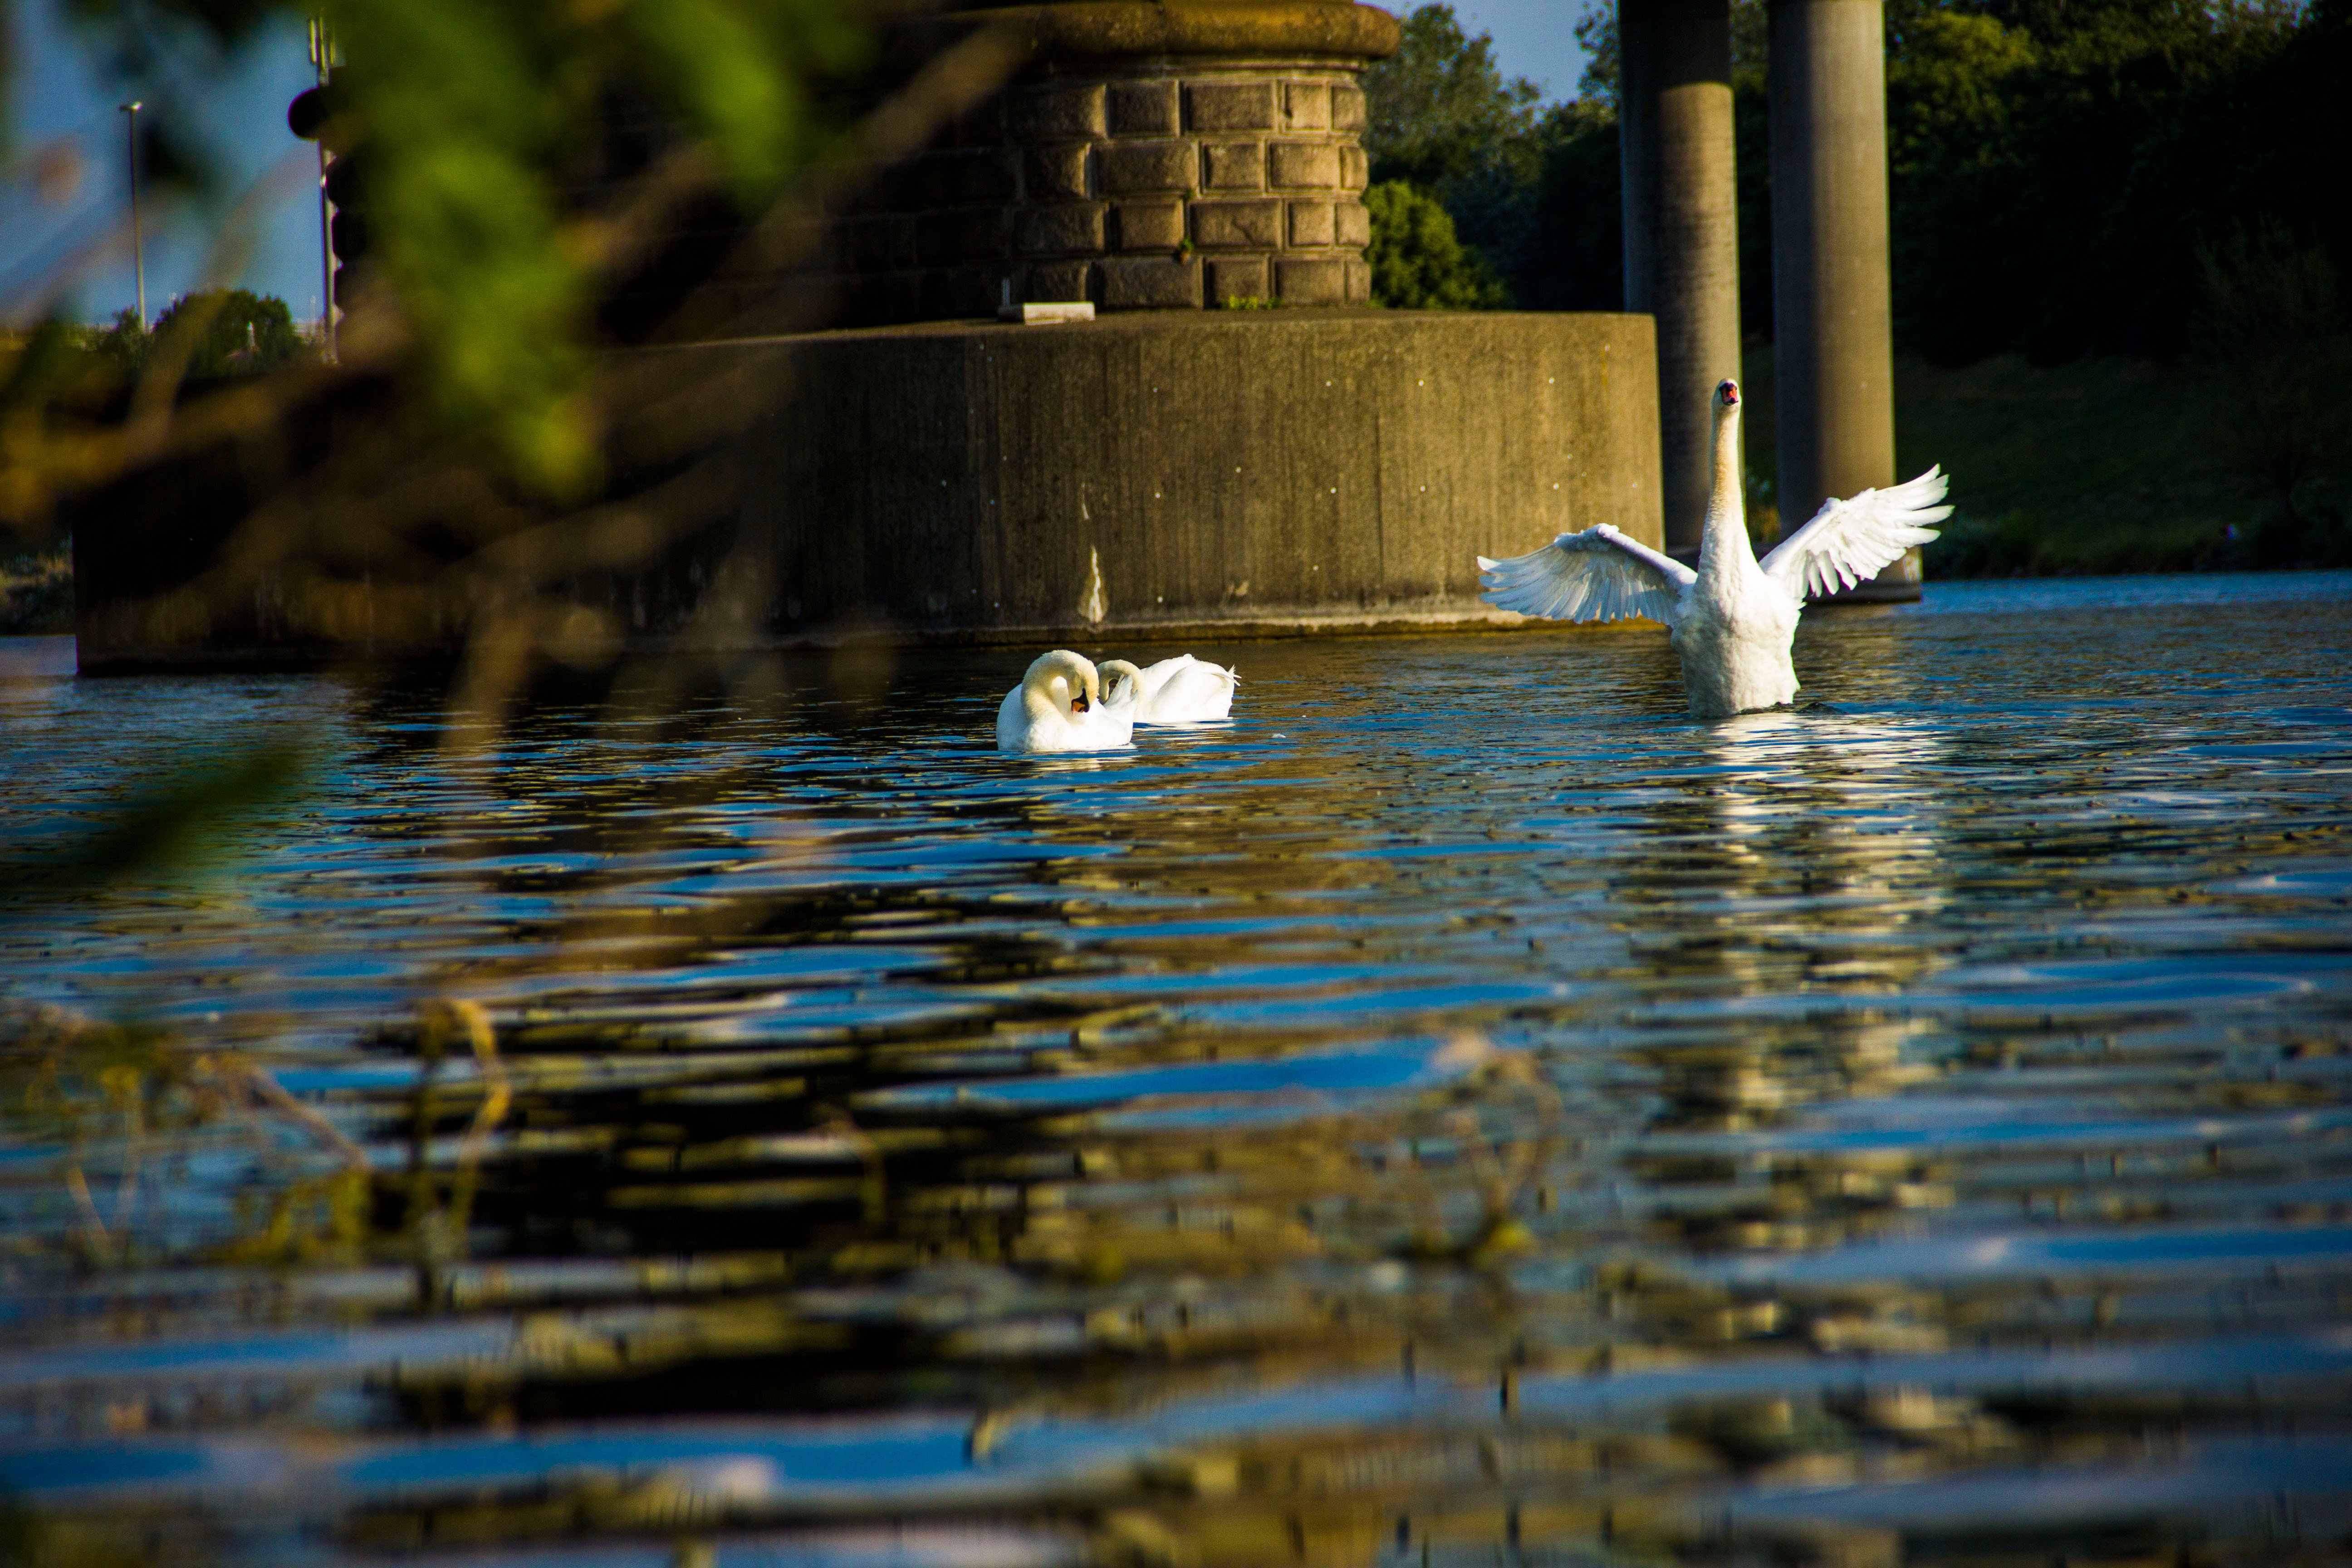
(1596, 575)
(1848, 541)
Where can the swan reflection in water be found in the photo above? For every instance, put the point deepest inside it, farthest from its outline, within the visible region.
(1786, 881)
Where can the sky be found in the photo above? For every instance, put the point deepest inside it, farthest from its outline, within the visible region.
(236, 106)
(58, 92)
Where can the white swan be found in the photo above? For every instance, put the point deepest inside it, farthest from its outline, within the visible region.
(1058, 706)
(1731, 620)
(1179, 690)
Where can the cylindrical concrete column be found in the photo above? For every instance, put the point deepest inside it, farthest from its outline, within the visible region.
(1833, 327)
(1682, 227)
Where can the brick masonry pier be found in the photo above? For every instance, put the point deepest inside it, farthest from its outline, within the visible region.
(1153, 157)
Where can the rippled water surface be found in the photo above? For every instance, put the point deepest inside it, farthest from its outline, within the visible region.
(1463, 1110)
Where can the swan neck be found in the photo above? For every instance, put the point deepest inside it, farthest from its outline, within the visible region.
(1724, 547)
(1074, 674)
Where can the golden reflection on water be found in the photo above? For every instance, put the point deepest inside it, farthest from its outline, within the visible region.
(1394, 1130)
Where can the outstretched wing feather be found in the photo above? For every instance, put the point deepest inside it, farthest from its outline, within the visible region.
(1850, 540)
(1596, 575)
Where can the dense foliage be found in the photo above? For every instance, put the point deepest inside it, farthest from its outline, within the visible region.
(1444, 120)
(226, 331)
(2057, 164)
(2153, 179)
(1418, 262)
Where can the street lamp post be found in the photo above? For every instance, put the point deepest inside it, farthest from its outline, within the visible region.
(322, 58)
(138, 248)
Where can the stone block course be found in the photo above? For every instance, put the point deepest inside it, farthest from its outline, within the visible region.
(1311, 281)
(963, 290)
(869, 244)
(1071, 226)
(1233, 166)
(963, 234)
(1149, 225)
(1303, 165)
(1255, 162)
(1057, 114)
(1143, 108)
(982, 125)
(1359, 281)
(957, 179)
(1229, 106)
(1237, 277)
(1156, 283)
(1237, 225)
(1129, 167)
(1059, 281)
(1056, 173)
(1310, 223)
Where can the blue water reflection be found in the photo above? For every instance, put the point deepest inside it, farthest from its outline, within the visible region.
(1464, 1105)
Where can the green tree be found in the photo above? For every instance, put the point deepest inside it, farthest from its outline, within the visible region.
(1418, 263)
(2273, 322)
(236, 331)
(2056, 163)
(1576, 261)
(124, 345)
(1444, 119)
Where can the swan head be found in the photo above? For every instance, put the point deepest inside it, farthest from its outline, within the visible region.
(1081, 686)
(1121, 681)
(1726, 396)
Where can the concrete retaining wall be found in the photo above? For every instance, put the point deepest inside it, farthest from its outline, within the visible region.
(1226, 472)
(1218, 474)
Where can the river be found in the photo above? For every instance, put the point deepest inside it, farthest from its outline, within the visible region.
(1463, 1112)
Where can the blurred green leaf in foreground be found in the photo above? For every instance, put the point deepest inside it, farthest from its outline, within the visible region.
(482, 122)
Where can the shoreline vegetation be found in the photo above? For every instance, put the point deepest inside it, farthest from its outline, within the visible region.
(2099, 468)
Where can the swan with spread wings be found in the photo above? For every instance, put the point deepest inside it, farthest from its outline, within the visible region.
(1732, 619)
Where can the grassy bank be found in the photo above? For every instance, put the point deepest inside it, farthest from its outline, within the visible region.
(2101, 466)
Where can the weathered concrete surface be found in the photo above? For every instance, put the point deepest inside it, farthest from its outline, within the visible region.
(1833, 293)
(1229, 474)
(1682, 230)
(1222, 474)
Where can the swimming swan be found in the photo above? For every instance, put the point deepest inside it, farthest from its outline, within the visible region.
(1731, 620)
(1179, 690)
(1058, 706)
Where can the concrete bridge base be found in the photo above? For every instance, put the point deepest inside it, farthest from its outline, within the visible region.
(1228, 474)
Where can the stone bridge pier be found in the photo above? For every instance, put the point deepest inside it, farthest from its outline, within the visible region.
(1174, 469)
(1153, 156)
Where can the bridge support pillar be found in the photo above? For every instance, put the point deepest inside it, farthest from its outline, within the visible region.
(1833, 356)
(1682, 229)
